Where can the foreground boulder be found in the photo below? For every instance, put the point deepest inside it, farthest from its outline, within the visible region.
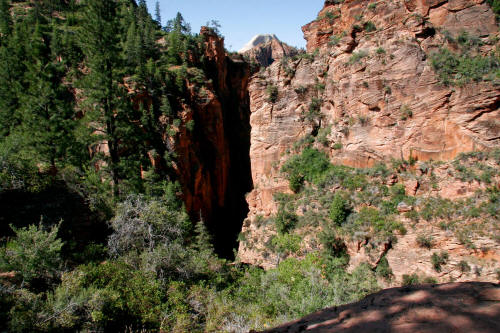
(453, 307)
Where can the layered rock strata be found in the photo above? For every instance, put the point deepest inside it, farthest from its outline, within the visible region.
(369, 71)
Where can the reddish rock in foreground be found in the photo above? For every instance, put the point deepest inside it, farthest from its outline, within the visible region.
(454, 307)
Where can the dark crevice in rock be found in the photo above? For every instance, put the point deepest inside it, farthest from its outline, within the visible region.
(214, 159)
(426, 33)
(236, 111)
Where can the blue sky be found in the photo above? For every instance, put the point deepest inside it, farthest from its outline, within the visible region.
(242, 19)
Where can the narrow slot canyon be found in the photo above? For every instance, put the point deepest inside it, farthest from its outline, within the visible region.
(214, 159)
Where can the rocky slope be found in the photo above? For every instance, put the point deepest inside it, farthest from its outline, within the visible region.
(468, 307)
(368, 84)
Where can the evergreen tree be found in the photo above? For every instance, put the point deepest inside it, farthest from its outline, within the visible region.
(157, 13)
(5, 19)
(179, 25)
(338, 210)
(47, 112)
(132, 47)
(56, 47)
(178, 30)
(100, 44)
(12, 67)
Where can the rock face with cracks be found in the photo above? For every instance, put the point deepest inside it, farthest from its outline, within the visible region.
(368, 70)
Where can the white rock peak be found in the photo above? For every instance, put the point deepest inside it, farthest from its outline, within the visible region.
(258, 40)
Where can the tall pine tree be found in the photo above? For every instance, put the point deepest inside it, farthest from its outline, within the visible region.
(157, 13)
(105, 98)
(47, 112)
(5, 19)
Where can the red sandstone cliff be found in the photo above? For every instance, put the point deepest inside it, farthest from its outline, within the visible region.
(212, 162)
(386, 103)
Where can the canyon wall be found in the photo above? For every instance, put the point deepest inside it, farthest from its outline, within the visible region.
(212, 159)
(368, 73)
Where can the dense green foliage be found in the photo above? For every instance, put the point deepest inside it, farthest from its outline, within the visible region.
(295, 288)
(459, 68)
(495, 6)
(34, 254)
(338, 210)
(67, 73)
(309, 166)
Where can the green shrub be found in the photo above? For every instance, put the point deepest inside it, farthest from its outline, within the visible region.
(430, 280)
(433, 207)
(295, 182)
(412, 215)
(465, 173)
(323, 134)
(121, 296)
(380, 51)
(425, 241)
(286, 244)
(379, 170)
(335, 40)
(330, 16)
(438, 260)
(383, 269)
(410, 280)
(337, 146)
(369, 26)
(332, 244)
(242, 237)
(300, 90)
(357, 56)
(314, 109)
(495, 7)
(372, 6)
(319, 87)
(464, 267)
(459, 69)
(406, 112)
(33, 254)
(338, 210)
(370, 222)
(464, 237)
(272, 93)
(190, 125)
(285, 219)
(263, 299)
(310, 166)
(363, 120)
